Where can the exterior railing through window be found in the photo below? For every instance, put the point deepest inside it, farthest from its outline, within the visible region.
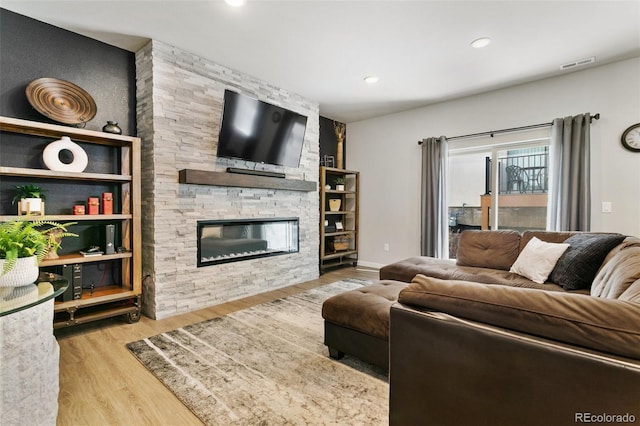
(524, 174)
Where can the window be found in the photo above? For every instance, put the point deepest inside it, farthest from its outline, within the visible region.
(498, 183)
(523, 185)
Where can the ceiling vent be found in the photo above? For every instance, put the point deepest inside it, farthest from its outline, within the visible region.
(578, 63)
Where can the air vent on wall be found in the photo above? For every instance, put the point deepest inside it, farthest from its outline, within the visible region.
(578, 63)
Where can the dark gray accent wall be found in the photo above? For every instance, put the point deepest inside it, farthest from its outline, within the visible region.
(329, 142)
(30, 49)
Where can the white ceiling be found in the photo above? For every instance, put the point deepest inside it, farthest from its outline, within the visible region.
(323, 49)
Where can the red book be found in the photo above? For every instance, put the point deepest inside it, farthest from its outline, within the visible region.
(107, 203)
(93, 205)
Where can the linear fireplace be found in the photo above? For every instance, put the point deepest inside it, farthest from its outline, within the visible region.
(224, 241)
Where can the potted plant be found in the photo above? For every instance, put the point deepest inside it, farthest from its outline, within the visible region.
(30, 197)
(340, 183)
(23, 245)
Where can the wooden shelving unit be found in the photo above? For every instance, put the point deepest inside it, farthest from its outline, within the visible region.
(338, 228)
(104, 301)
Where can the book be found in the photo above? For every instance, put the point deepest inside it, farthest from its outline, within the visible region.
(91, 253)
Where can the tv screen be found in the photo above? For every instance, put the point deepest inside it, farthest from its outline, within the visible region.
(260, 132)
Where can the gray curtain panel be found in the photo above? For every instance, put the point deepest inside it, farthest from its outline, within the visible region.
(569, 206)
(435, 229)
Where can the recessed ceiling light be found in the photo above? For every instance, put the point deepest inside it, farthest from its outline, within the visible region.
(235, 3)
(479, 43)
(371, 79)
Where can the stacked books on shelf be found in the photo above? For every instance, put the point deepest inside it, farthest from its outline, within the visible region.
(89, 253)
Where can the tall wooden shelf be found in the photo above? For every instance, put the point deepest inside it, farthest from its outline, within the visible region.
(339, 245)
(124, 298)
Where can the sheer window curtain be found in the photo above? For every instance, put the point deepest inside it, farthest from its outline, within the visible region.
(569, 205)
(434, 218)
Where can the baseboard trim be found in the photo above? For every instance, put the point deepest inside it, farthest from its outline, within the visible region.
(372, 265)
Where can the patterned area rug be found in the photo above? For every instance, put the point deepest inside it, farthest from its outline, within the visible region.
(267, 365)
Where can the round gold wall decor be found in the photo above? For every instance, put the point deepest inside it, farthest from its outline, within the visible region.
(61, 101)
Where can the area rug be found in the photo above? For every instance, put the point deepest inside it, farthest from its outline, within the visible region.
(267, 365)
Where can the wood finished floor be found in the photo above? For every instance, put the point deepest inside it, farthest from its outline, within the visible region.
(101, 383)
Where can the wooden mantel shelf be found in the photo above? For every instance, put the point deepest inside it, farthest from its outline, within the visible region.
(204, 177)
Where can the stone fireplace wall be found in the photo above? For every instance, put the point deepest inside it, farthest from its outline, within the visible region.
(179, 108)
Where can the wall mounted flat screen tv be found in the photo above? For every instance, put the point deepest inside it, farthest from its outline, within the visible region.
(256, 131)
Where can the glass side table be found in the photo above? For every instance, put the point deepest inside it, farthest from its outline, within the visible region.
(29, 353)
(15, 299)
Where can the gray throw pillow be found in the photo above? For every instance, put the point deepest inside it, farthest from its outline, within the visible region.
(578, 266)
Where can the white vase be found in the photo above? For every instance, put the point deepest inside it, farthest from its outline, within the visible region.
(24, 272)
(51, 156)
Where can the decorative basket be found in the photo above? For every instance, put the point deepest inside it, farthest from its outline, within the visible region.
(24, 272)
(334, 204)
(340, 244)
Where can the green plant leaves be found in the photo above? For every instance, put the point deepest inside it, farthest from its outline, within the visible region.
(23, 238)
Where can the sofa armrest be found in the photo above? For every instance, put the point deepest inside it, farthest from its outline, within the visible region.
(605, 325)
(449, 371)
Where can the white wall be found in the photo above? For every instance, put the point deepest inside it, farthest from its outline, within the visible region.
(385, 150)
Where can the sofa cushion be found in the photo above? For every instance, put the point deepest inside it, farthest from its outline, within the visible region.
(546, 236)
(579, 264)
(602, 324)
(406, 269)
(498, 276)
(537, 259)
(618, 274)
(488, 249)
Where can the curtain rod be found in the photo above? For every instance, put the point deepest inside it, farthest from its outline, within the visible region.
(513, 129)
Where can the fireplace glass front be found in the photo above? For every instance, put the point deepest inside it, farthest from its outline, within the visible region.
(223, 241)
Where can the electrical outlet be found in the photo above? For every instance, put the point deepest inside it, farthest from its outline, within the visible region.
(386, 246)
(606, 207)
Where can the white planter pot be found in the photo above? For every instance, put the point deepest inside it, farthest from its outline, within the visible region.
(340, 187)
(32, 205)
(24, 272)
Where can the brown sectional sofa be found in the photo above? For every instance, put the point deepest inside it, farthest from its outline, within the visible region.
(463, 352)
(483, 257)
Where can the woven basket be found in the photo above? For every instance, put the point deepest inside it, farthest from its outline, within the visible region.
(341, 244)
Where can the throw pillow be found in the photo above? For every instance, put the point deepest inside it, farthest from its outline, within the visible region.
(537, 259)
(579, 265)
